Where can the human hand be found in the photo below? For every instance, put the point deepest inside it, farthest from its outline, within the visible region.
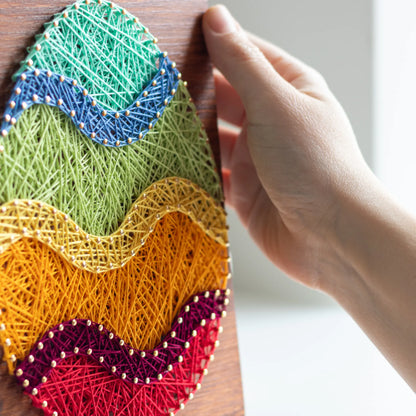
(295, 175)
(294, 155)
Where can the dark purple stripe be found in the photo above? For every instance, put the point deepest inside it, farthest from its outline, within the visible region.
(94, 341)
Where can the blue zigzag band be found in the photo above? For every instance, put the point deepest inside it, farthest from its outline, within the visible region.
(109, 128)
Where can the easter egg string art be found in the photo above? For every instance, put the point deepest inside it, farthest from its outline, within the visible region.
(113, 237)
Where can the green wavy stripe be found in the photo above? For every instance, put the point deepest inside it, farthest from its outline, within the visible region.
(46, 158)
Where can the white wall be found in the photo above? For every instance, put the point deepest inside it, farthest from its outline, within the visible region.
(395, 93)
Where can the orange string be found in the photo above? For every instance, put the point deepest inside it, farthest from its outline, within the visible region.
(138, 302)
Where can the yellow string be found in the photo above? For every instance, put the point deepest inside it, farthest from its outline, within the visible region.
(22, 218)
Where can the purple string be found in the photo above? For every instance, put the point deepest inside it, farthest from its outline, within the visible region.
(89, 339)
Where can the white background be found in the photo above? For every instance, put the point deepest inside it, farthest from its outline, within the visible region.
(301, 354)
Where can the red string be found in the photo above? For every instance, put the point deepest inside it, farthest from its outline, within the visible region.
(80, 386)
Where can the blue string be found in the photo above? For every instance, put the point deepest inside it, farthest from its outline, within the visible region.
(106, 127)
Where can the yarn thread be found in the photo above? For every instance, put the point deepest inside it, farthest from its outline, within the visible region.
(79, 386)
(46, 158)
(89, 339)
(103, 244)
(34, 219)
(138, 302)
(102, 46)
(109, 128)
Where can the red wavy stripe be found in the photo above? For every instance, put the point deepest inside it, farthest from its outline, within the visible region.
(80, 386)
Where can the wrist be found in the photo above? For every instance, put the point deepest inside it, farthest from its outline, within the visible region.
(375, 240)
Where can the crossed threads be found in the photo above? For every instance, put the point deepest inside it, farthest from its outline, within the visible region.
(109, 128)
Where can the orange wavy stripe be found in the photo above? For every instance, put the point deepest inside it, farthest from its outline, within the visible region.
(39, 289)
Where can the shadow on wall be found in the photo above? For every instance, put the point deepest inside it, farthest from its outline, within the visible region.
(257, 281)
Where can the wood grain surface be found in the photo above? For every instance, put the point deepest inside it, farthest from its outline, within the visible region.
(177, 24)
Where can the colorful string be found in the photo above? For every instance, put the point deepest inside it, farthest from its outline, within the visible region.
(46, 158)
(86, 338)
(45, 223)
(109, 128)
(102, 46)
(80, 386)
(103, 244)
(138, 302)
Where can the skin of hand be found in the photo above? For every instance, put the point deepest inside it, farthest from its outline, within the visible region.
(294, 173)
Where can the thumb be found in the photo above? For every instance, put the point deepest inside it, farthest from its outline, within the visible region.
(244, 65)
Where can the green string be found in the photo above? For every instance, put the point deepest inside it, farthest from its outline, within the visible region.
(46, 158)
(107, 50)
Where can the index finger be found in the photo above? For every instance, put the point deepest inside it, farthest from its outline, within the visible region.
(229, 105)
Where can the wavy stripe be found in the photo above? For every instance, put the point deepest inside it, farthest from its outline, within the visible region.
(109, 128)
(86, 338)
(34, 219)
(46, 158)
(80, 386)
(102, 46)
(138, 302)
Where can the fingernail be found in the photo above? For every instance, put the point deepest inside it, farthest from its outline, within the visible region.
(219, 19)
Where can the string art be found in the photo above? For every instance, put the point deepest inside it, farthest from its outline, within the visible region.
(113, 238)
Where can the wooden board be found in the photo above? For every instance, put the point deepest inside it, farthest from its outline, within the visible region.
(177, 24)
